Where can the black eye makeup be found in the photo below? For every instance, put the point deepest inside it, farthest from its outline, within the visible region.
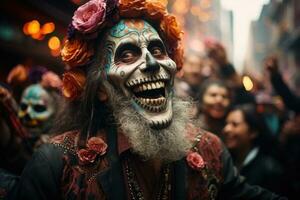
(127, 53)
(39, 108)
(23, 106)
(157, 49)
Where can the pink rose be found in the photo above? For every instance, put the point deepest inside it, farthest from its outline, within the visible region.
(195, 161)
(86, 156)
(88, 17)
(97, 144)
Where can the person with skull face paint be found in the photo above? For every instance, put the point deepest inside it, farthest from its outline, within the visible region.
(34, 108)
(38, 105)
(127, 136)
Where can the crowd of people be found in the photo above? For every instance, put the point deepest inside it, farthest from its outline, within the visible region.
(263, 138)
(261, 134)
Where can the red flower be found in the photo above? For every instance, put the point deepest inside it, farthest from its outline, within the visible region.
(195, 161)
(86, 156)
(97, 144)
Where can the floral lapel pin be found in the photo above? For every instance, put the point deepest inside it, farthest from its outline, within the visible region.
(95, 147)
(195, 160)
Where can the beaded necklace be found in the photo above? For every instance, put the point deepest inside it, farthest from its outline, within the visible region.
(135, 191)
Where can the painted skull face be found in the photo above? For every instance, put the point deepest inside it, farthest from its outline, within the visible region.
(136, 62)
(36, 107)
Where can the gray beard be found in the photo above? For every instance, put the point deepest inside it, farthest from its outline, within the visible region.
(168, 144)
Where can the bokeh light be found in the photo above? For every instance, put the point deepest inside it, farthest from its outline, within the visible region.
(181, 7)
(55, 53)
(54, 43)
(205, 4)
(48, 28)
(33, 27)
(247, 82)
(25, 28)
(38, 36)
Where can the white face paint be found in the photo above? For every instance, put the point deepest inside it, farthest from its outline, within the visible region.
(136, 63)
(36, 106)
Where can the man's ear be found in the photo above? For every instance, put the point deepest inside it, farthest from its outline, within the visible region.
(102, 94)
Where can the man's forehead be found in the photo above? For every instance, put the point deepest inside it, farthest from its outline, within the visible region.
(129, 26)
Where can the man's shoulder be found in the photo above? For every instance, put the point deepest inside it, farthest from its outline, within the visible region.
(204, 162)
(58, 146)
(66, 141)
(200, 137)
(69, 135)
(207, 144)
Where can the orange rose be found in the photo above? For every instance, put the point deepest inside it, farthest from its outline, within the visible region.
(73, 84)
(171, 29)
(131, 8)
(76, 52)
(155, 10)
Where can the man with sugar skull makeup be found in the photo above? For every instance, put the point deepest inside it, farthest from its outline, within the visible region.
(138, 64)
(124, 135)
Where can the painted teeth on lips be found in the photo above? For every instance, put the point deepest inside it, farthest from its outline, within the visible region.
(152, 79)
(148, 86)
(153, 105)
(150, 92)
(151, 102)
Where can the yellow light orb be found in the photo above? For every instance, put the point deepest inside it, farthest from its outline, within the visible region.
(48, 28)
(54, 43)
(33, 27)
(247, 82)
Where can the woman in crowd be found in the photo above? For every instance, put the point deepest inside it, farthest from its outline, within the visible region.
(248, 139)
(212, 106)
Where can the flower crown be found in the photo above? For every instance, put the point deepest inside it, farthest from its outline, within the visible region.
(95, 16)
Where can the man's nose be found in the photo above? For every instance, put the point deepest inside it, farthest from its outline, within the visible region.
(29, 111)
(151, 64)
(226, 129)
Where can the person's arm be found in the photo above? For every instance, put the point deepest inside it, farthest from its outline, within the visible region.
(40, 179)
(235, 187)
(289, 99)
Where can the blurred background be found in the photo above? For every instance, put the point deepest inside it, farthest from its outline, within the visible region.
(250, 31)
(32, 32)
(241, 67)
